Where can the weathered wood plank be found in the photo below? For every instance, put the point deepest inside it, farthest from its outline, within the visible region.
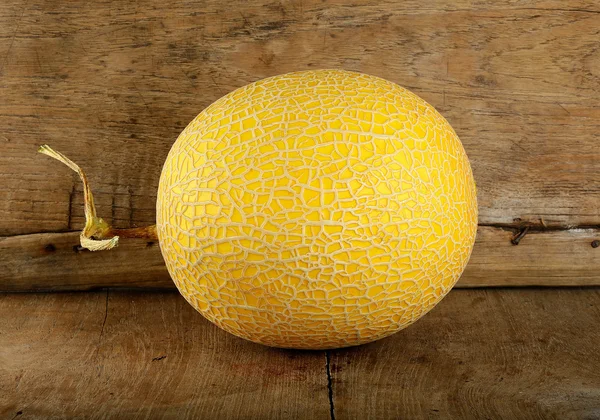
(144, 355)
(51, 261)
(481, 354)
(55, 262)
(112, 85)
(501, 353)
(546, 258)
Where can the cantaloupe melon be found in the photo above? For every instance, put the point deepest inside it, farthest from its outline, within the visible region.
(316, 209)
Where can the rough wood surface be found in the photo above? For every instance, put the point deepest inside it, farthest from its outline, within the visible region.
(53, 261)
(542, 258)
(493, 353)
(146, 355)
(485, 354)
(56, 262)
(112, 84)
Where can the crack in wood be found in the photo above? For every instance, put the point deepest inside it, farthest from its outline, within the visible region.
(329, 384)
(112, 211)
(17, 414)
(540, 226)
(552, 9)
(519, 236)
(102, 328)
(71, 195)
(131, 209)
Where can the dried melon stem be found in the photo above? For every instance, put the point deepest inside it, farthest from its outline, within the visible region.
(97, 235)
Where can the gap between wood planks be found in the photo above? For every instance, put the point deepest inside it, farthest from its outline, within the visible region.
(517, 226)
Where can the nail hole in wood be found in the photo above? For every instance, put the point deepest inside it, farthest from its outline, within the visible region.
(519, 236)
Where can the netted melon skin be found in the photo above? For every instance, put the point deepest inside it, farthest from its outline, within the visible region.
(316, 209)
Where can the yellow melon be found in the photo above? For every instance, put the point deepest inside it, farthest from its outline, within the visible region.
(316, 209)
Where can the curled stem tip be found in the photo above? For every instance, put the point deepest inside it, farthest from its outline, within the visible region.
(97, 235)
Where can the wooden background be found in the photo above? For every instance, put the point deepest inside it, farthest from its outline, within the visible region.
(112, 83)
(481, 354)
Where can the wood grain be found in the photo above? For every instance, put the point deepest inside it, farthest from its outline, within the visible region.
(52, 261)
(542, 258)
(56, 262)
(488, 353)
(112, 84)
(144, 355)
(481, 354)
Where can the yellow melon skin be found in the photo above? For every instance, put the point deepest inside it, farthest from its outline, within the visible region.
(317, 209)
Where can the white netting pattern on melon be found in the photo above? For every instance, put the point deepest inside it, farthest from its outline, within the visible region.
(316, 209)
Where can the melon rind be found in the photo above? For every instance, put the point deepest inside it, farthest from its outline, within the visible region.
(316, 209)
